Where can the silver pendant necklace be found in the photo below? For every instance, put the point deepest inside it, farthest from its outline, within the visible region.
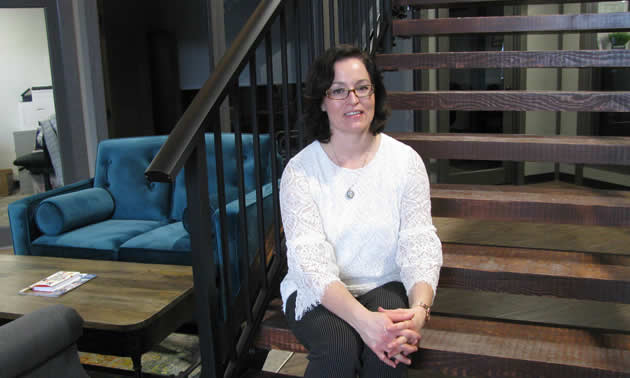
(350, 193)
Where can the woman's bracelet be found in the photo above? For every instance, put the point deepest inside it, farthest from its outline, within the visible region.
(426, 308)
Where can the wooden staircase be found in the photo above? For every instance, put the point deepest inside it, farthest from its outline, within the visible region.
(568, 312)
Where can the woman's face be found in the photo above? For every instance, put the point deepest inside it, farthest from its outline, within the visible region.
(352, 114)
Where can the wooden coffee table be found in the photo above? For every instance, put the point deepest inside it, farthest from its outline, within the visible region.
(127, 309)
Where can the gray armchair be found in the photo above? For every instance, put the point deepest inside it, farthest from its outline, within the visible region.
(42, 344)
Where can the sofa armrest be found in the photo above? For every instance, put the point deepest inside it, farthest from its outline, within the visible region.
(22, 215)
(39, 338)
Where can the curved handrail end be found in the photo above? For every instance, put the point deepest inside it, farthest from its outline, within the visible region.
(157, 176)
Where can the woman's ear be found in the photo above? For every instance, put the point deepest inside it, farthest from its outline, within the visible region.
(323, 107)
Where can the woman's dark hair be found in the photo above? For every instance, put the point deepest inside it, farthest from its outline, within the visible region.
(320, 78)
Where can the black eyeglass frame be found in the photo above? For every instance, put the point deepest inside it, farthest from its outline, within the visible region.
(348, 90)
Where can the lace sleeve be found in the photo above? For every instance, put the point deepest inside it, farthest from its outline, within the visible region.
(310, 256)
(419, 254)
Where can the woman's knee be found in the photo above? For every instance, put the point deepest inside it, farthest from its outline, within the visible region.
(324, 333)
(334, 339)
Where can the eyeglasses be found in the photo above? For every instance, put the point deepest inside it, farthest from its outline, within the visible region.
(363, 90)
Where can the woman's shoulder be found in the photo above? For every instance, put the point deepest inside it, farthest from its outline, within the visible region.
(305, 158)
(397, 150)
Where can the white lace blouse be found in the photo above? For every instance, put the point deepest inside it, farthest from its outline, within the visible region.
(383, 234)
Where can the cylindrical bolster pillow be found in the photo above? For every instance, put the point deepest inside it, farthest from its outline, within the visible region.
(65, 212)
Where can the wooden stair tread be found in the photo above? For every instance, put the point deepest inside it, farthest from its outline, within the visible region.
(561, 312)
(583, 196)
(512, 24)
(603, 240)
(531, 203)
(470, 3)
(533, 261)
(504, 59)
(519, 147)
(511, 100)
(573, 347)
(530, 350)
(600, 277)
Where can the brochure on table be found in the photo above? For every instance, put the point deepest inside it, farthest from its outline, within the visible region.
(57, 284)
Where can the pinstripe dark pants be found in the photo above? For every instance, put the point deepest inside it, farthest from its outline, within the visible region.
(335, 348)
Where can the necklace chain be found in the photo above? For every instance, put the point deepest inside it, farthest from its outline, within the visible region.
(350, 192)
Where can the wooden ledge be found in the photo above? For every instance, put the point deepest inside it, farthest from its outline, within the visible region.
(577, 275)
(519, 147)
(532, 204)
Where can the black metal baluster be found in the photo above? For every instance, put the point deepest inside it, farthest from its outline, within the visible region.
(360, 23)
(285, 82)
(298, 75)
(243, 253)
(318, 26)
(356, 14)
(275, 175)
(331, 22)
(226, 273)
(367, 23)
(274, 152)
(259, 195)
(202, 258)
(387, 17)
(341, 15)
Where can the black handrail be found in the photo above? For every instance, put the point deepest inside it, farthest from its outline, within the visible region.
(179, 145)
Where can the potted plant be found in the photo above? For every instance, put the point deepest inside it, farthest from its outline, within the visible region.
(618, 40)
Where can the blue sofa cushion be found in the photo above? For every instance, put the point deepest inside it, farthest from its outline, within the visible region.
(96, 241)
(68, 211)
(229, 168)
(120, 166)
(168, 244)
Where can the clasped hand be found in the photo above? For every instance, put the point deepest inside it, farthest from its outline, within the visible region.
(393, 334)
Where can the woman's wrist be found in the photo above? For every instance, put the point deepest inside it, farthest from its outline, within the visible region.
(423, 308)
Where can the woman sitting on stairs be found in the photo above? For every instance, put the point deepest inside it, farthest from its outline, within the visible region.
(363, 255)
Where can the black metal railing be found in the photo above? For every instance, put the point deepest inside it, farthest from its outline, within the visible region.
(305, 30)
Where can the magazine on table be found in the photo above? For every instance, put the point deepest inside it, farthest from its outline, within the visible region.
(57, 284)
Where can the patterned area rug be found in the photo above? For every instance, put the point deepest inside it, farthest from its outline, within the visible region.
(175, 356)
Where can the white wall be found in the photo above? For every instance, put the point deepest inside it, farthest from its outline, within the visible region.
(24, 63)
(545, 79)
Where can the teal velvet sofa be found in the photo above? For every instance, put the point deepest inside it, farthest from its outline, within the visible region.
(119, 215)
